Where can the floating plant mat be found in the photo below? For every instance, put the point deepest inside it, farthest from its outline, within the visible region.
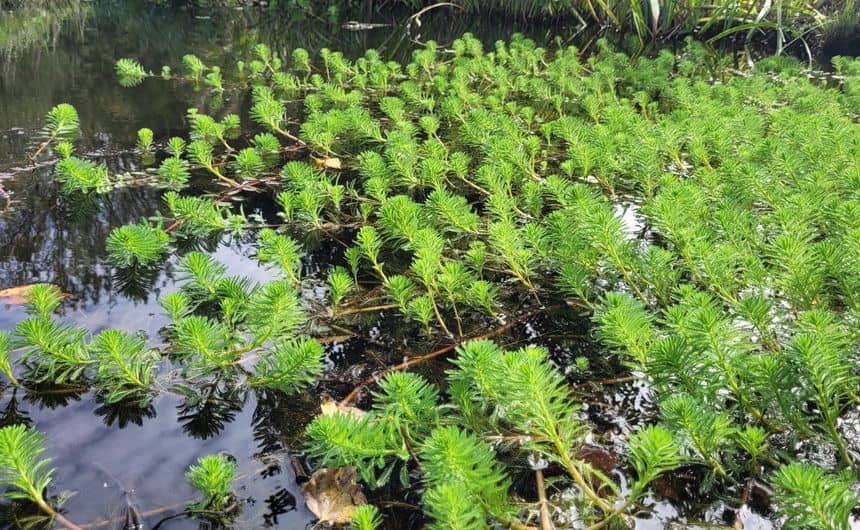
(688, 231)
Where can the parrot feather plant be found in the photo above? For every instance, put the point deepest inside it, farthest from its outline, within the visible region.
(703, 222)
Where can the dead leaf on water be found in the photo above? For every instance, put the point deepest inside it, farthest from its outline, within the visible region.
(327, 163)
(18, 295)
(332, 494)
(329, 406)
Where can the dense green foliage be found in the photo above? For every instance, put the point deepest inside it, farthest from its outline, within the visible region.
(704, 219)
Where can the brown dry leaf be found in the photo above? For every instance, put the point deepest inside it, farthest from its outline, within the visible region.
(16, 295)
(329, 406)
(327, 163)
(332, 494)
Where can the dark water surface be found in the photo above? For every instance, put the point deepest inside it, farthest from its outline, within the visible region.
(112, 455)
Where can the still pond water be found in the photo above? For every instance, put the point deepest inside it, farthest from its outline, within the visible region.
(113, 456)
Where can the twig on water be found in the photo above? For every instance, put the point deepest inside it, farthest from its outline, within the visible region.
(335, 339)
(370, 309)
(119, 519)
(441, 351)
(606, 382)
(415, 18)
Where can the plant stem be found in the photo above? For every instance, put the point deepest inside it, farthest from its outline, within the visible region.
(290, 136)
(175, 224)
(212, 169)
(439, 315)
(459, 321)
(41, 148)
(545, 518)
(57, 515)
(577, 476)
(149, 513)
(627, 279)
(618, 511)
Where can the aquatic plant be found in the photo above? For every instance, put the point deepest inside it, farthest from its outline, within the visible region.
(282, 251)
(144, 140)
(84, 176)
(5, 360)
(366, 517)
(290, 365)
(22, 469)
(813, 499)
(52, 350)
(126, 367)
(340, 284)
(465, 191)
(129, 72)
(24, 473)
(138, 244)
(62, 122)
(212, 477)
(516, 393)
(702, 219)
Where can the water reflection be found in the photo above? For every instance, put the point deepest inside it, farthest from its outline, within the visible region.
(124, 413)
(13, 414)
(48, 396)
(33, 23)
(137, 282)
(208, 407)
(279, 503)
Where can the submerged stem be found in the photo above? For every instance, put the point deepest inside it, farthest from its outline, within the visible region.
(54, 514)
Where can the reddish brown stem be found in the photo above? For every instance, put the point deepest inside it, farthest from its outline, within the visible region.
(605, 382)
(33, 157)
(8, 199)
(176, 224)
(334, 339)
(358, 310)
